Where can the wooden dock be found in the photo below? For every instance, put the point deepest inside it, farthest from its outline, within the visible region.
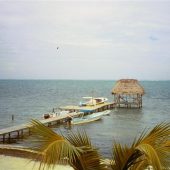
(18, 132)
(90, 109)
(7, 135)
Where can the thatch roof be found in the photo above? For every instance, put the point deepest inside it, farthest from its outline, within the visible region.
(128, 86)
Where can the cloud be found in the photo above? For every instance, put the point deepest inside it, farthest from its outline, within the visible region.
(153, 38)
(121, 37)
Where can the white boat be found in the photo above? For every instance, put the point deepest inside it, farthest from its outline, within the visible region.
(106, 112)
(55, 114)
(89, 118)
(92, 101)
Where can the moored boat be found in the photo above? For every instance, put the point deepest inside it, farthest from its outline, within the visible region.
(89, 118)
(55, 114)
(92, 101)
(106, 112)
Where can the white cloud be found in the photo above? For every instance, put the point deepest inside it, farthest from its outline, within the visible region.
(123, 38)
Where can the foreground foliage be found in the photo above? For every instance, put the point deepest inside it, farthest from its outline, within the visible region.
(75, 149)
(149, 149)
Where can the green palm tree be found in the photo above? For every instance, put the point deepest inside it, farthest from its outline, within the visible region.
(151, 148)
(75, 149)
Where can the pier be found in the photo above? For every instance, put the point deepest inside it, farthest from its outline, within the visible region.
(90, 109)
(9, 134)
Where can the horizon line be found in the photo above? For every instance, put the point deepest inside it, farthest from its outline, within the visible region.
(81, 79)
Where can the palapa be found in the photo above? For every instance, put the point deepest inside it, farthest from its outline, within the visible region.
(128, 93)
(128, 86)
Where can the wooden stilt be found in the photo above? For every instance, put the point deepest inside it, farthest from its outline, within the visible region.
(9, 137)
(18, 134)
(22, 133)
(3, 138)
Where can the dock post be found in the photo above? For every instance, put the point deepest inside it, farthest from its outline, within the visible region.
(9, 137)
(22, 133)
(12, 117)
(3, 138)
(18, 134)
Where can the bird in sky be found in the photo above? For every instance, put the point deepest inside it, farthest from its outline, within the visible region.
(57, 48)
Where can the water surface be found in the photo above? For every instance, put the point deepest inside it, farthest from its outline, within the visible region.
(27, 99)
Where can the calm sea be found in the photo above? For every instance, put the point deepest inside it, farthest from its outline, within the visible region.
(27, 99)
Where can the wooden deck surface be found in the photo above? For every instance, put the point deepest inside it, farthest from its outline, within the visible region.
(21, 127)
(18, 130)
(13, 129)
(91, 108)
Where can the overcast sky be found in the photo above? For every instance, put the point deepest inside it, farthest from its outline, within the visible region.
(96, 40)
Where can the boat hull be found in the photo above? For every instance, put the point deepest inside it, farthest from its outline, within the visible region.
(89, 118)
(82, 121)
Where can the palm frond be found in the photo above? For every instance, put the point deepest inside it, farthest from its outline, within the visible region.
(59, 152)
(80, 138)
(158, 135)
(53, 148)
(151, 155)
(90, 158)
(158, 138)
(41, 135)
(150, 148)
(123, 156)
(163, 151)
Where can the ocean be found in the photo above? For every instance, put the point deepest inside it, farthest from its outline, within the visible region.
(30, 99)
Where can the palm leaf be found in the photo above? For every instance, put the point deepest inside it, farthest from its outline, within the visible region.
(41, 135)
(89, 159)
(123, 156)
(158, 135)
(80, 138)
(158, 138)
(53, 147)
(151, 148)
(151, 154)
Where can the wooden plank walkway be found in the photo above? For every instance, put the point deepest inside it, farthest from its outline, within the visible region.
(98, 107)
(18, 131)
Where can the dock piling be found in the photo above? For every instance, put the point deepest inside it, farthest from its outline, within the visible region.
(12, 117)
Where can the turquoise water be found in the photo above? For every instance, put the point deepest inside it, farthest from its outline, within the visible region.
(27, 99)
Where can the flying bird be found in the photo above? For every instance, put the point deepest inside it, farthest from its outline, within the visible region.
(57, 48)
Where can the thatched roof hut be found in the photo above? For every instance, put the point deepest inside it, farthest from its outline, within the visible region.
(128, 93)
(128, 86)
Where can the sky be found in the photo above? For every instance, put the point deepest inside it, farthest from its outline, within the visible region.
(103, 40)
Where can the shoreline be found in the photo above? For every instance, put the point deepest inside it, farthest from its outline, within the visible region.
(18, 163)
(21, 158)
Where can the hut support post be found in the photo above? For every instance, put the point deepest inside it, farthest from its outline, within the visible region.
(9, 137)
